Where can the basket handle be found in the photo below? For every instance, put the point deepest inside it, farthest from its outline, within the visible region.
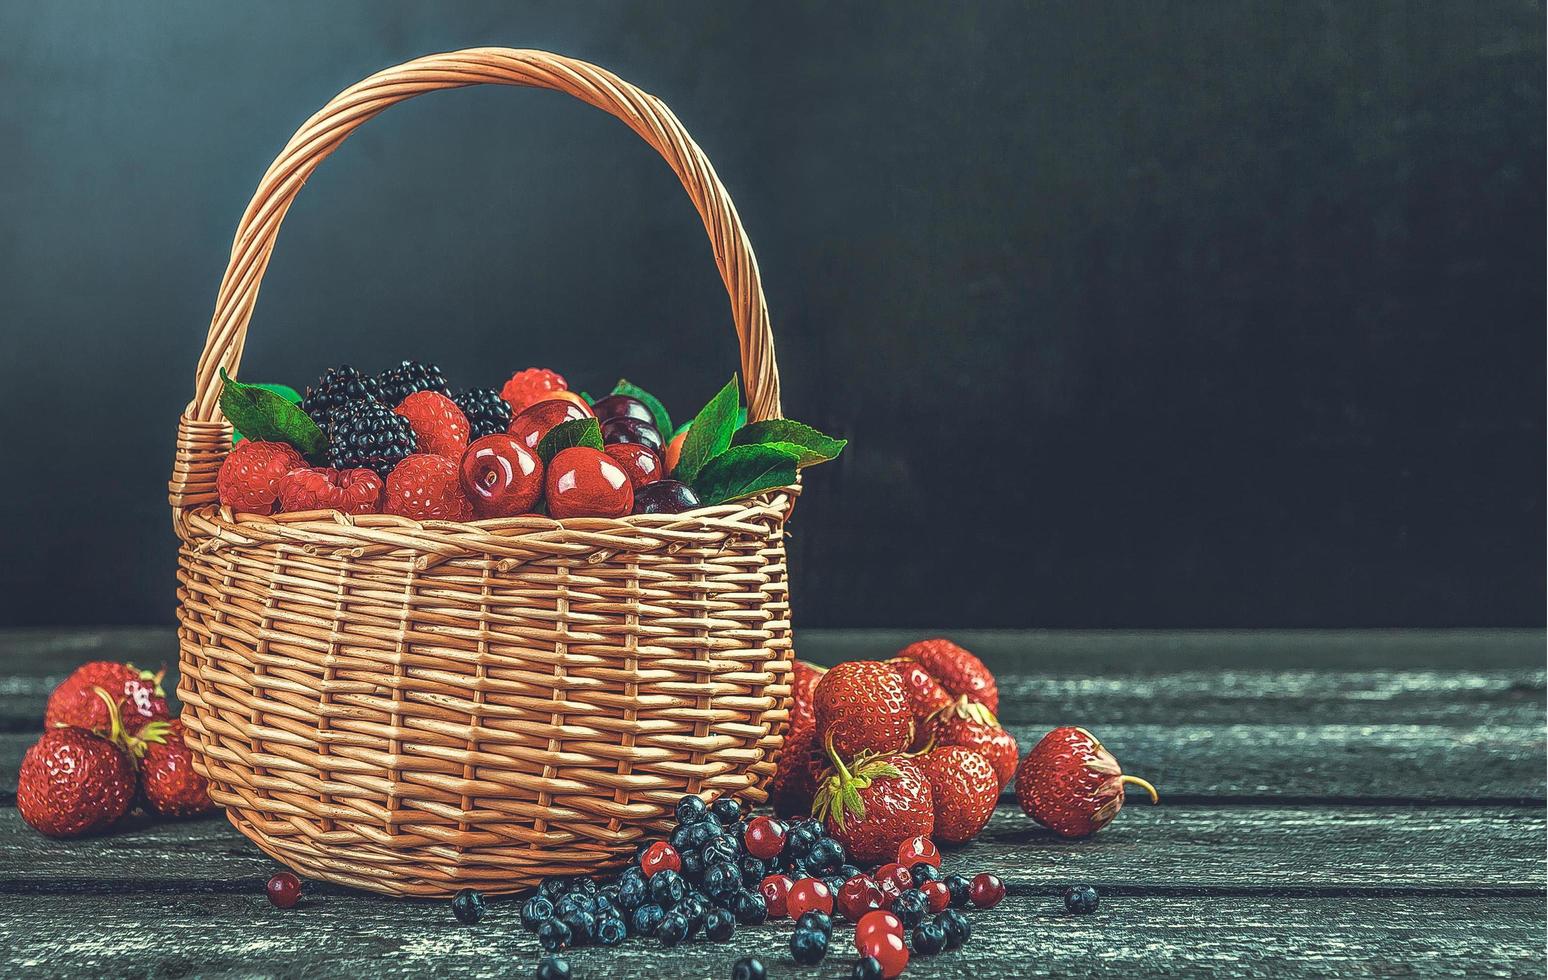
(204, 437)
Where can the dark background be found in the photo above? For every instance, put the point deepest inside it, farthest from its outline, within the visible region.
(1137, 314)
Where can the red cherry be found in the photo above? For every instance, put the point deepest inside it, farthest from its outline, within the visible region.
(937, 894)
(532, 425)
(894, 880)
(858, 896)
(284, 890)
(502, 477)
(660, 856)
(889, 951)
(879, 922)
(776, 895)
(640, 462)
(918, 849)
(764, 838)
(985, 891)
(809, 895)
(585, 482)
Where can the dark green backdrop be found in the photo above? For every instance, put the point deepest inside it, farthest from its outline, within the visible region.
(1138, 314)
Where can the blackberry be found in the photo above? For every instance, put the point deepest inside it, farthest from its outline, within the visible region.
(487, 412)
(397, 383)
(369, 434)
(338, 387)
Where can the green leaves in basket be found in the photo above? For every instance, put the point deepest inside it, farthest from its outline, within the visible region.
(263, 415)
(657, 410)
(742, 471)
(709, 434)
(566, 435)
(809, 445)
(284, 391)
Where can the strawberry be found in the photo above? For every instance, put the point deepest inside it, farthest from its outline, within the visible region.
(439, 425)
(872, 810)
(527, 388)
(1072, 785)
(959, 672)
(357, 491)
(964, 789)
(925, 694)
(171, 785)
(73, 782)
(794, 782)
(426, 488)
(957, 725)
(137, 696)
(862, 707)
(249, 477)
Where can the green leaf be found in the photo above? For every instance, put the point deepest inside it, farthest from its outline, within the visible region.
(657, 410)
(806, 442)
(589, 400)
(742, 471)
(710, 433)
(284, 391)
(568, 434)
(267, 417)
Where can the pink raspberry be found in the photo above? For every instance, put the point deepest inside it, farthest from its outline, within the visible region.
(250, 475)
(356, 491)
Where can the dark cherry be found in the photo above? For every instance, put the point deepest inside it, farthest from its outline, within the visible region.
(665, 497)
(284, 890)
(642, 463)
(502, 477)
(530, 426)
(636, 431)
(622, 407)
(585, 482)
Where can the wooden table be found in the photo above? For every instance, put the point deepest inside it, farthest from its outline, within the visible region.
(1333, 803)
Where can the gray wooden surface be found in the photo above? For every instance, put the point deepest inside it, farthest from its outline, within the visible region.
(1333, 803)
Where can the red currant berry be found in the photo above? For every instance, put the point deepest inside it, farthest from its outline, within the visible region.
(765, 837)
(809, 895)
(876, 923)
(284, 890)
(502, 477)
(776, 895)
(894, 880)
(660, 856)
(889, 951)
(532, 425)
(858, 896)
(585, 482)
(937, 894)
(640, 462)
(918, 850)
(986, 890)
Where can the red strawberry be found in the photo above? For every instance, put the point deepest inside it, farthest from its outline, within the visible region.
(439, 425)
(323, 488)
(958, 670)
(167, 775)
(964, 789)
(877, 807)
(249, 477)
(925, 694)
(527, 388)
(1072, 785)
(137, 696)
(862, 707)
(73, 782)
(955, 726)
(426, 488)
(794, 782)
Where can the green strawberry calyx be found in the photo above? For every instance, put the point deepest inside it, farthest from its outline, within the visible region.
(839, 796)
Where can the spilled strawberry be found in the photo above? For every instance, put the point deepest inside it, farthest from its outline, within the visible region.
(925, 694)
(167, 777)
(1072, 785)
(795, 777)
(137, 697)
(73, 782)
(874, 808)
(963, 788)
(862, 708)
(967, 723)
(958, 671)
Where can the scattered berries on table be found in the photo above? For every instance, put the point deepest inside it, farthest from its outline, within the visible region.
(585, 482)
(425, 487)
(357, 491)
(439, 425)
(858, 896)
(531, 386)
(500, 476)
(73, 782)
(249, 478)
(986, 891)
(535, 911)
(338, 386)
(168, 780)
(486, 412)
(776, 895)
(749, 968)
(929, 939)
(369, 434)
(469, 906)
(397, 383)
(874, 923)
(894, 880)
(957, 927)
(554, 935)
(1072, 785)
(284, 890)
(808, 946)
(553, 968)
(1080, 900)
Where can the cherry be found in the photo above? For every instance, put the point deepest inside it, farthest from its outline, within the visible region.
(586, 482)
(894, 880)
(660, 856)
(501, 476)
(776, 895)
(284, 890)
(986, 891)
(533, 424)
(937, 894)
(809, 895)
(564, 394)
(879, 922)
(621, 407)
(918, 850)
(764, 837)
(858, 896)
(664, 497)
(888, 949)
(640, 462)
(632, 430)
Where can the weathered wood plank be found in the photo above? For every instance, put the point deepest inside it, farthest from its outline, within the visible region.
(1168, 847)
(353, 936)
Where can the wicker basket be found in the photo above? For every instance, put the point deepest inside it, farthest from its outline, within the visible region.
(414, 708)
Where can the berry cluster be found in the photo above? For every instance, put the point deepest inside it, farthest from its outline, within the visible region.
(110, 741)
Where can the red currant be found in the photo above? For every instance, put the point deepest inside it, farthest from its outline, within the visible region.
(502, 477)
(937, 894)
(284, 890)
(918, 850)
(660, 856)
(809, 895)
(532, 425)
(585, 482)
(986, 890)
(776, 895)
(858, 896)
(894, 880)
(765, 837)
(640, 462)
(889, 951)
(876, 923)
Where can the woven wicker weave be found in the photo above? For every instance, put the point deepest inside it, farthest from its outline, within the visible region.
(414, 708)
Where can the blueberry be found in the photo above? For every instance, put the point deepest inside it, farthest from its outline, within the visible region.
(553, 887)
(866, 968)
(693, 865)
(750, 908)
(554, 935)
(690, 809)
(570, 904)
(699, 834)
(719, 925)
(581, 925)
(468, 906)
(673, 929)
(667, 888)
(631, 893)
(799, 840)
(535, 912)
(929, 939)
(610, 930)
(798, 869)
(849, 871)
(553, 968)
(581, 885)
(694, 910)
(923, 872)
(808, 946)
(834, 883)
(603, 905)
(727, 810)
(1080, 900)
(754, 870)
(821, 921)
(749, 968)
(911, 907)
(959, 888)
(722, 879)
(826, 856)
(723, 848)
(646, 918)
(956, 926)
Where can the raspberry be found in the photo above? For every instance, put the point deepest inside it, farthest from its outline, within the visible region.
(526, 388)
(357, 491)
(395, 384)
(426, 488)
(249, 477)
(338, 386)
(439, 425)
(487, 412)
(369, 434)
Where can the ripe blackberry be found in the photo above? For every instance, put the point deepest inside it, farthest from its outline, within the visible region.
(369, 434)
(397, 383)
(487, 412)
(338, 386)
